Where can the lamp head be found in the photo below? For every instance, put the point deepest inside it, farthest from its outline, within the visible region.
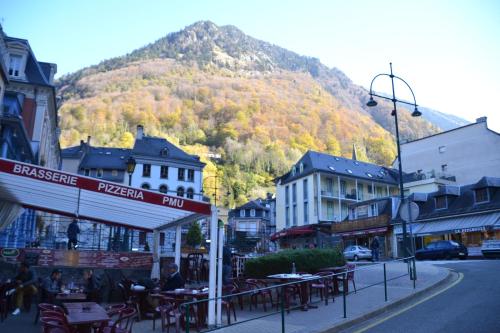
(131, 165)
(416, 113)
(371, 102)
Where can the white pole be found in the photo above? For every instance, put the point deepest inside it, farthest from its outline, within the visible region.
(220, 242)
(213, 267)
(155, 271)
(178, 241)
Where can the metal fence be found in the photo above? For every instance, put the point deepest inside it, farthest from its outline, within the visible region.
(411, 273)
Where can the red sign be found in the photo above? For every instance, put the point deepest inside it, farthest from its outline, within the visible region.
(95, 185)
(90, 259)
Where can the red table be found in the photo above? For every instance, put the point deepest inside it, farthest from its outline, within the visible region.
(84, 314)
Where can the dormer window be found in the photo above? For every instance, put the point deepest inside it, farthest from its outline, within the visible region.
(252, 212)
(293, 170)
(441, 202)
(164, 152)
(301, 168)
(481, 195)
(15, 65)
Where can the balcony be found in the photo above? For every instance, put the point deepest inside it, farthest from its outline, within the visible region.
(359, 224)
(329, 194)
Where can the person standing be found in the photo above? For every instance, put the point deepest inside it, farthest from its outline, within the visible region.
(375, 245)
(25, 280)
(73, 231)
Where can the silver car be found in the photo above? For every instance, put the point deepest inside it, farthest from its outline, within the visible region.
(356, 252)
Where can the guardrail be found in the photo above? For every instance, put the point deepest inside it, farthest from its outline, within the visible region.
(411, 272)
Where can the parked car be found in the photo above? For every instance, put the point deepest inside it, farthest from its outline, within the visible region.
(442, 250)
(356, 252)
(491, 248)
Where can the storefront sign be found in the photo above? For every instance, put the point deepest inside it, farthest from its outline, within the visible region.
(476, 229)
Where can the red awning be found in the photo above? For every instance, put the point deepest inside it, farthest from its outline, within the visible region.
(295, 231)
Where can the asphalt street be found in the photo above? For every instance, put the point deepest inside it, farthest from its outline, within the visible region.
(471, 305)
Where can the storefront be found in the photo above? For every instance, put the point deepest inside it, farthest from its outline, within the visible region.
(308, 236)
(365, 238)
(470, 230)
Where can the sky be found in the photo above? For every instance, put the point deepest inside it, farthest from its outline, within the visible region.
(447, 50)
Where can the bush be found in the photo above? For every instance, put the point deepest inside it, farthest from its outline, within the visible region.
(310, 261)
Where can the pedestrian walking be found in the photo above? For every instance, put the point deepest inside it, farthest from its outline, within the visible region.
(374, 246)
(73, 231)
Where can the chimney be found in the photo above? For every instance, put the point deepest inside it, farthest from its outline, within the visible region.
(88, 140)
(140, 132)
(481, 119)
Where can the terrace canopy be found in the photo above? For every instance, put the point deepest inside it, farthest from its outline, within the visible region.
(53, 191)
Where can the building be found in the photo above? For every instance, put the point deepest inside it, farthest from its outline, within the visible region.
(468, 214)
(252, 224)
(319, 189)
(459, 156)
(159, 166)
(367, 220)
(28, 125)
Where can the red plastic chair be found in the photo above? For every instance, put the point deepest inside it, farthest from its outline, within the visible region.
(256, 285)
(123, 324)
(54, 325)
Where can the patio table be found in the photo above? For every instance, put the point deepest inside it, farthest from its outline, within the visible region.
(84, 314)
(187, 294)
(71, 297)
(303, 282)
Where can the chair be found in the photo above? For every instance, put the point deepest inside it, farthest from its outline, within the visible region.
(54, 325)
(46, 300)
(256, 285)
(168, 310)
(194, 266)
(350, 277)
(323, 286)
(241, 287)
(227, 302)
(123, 324)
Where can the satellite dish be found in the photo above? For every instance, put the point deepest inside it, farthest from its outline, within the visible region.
(405, 213)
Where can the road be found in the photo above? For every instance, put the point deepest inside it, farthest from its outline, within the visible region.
(471, 305)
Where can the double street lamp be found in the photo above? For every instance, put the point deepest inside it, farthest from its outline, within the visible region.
(415, 113)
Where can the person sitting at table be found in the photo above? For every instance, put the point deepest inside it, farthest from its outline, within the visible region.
(24, 280)
(173, 279)
(91, 285)
(53, 284)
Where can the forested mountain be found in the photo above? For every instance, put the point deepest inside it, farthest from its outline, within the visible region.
(210, 88)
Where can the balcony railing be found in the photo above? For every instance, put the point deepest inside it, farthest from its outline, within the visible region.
(365, 223)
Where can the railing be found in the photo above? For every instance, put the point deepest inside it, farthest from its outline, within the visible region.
(411, 272)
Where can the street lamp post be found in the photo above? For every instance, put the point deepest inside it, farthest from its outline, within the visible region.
(415, 113)
(131, 163)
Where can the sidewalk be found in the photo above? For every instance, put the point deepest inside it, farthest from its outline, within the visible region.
(324, 318)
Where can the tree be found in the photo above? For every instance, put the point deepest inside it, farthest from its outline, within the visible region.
(194, 236)
(127, 140)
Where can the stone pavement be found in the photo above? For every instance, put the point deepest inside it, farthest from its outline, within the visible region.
(322, 319)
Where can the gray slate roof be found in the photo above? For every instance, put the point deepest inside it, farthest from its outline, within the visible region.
(105, 158)
(314, 161)
(153, 146)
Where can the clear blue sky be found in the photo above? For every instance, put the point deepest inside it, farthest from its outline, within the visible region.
(449, 51)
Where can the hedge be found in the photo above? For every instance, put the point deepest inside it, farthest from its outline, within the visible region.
(307, 260)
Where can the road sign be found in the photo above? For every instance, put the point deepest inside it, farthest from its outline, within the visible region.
(404, 212)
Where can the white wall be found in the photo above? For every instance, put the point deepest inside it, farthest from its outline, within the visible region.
(471, 152)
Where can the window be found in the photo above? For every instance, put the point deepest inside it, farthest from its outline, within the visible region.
(146, 186)
(441, 202)
(164, 171)
(163, 188)
(15, 65)
(343, 187)
(287, 195)
(180, 174)
(294, 192)
(99, 174)
(329, 186)
(374, 210)
(370, 189)
(293, 170)
(481, 195)
(164, 152)
(329, 210)
(301, 167)
(252, 212)
(305, 189)
(294, 215)
(87, 172)
(444, 167)
(442, 149)
(242, 213)
(190, 193)
(361, 190)
(142, 238)
(306, 213)
(180, 191)
(162, 238)
(146, 170)
(114, 173)
(287, 216)
(190, 175)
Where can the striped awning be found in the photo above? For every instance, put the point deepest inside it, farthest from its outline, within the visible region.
(472, 223)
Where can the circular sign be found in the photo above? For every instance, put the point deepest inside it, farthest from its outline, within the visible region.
(407, 210)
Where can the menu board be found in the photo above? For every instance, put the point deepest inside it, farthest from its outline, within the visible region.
(91, 259)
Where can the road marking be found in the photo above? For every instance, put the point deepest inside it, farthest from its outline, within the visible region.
(364, 329)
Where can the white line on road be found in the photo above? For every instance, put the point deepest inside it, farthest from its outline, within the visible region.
(364, 329)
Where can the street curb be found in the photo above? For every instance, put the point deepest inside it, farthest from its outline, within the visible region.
(405, 300)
